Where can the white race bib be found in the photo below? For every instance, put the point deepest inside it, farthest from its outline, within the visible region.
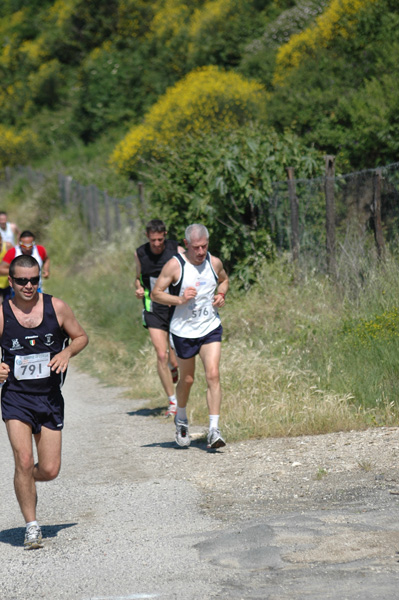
(32, 366)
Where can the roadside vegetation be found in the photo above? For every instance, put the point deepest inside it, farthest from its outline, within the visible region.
(298, 358)
(208, 102)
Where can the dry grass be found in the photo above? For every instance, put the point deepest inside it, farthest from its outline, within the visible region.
(269, 332)
(263, 398)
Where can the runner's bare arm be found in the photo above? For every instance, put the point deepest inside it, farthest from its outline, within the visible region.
(71, 326)
(170, 274)
(137, 282)
(223, 282)
(4, 268)
(46, 268)
(15, 230)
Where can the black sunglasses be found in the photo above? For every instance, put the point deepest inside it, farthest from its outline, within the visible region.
(25, 280)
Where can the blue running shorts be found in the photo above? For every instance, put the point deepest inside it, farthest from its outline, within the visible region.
(189, 347)
(38, 411)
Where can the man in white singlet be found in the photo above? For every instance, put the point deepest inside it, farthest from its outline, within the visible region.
(9, 231)
(197, 285)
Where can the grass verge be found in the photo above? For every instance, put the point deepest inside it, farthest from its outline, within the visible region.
(291, 365)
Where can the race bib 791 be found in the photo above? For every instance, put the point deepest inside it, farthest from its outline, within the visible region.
(32, 366)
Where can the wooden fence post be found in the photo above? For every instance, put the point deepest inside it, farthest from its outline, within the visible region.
(117, 216)
(140, 186)
(294, 215)
(67, 188)
(8, 174)
(108, 231)
(376, 212)
(330, 216)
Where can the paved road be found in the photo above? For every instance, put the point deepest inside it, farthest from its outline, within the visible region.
(126, 519)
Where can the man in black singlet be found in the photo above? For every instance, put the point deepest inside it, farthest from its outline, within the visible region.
(35, 330)
(150, 258)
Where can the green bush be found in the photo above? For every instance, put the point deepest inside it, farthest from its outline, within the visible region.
(17, 147)
(341, 94)
(224, 180)
(208, 99)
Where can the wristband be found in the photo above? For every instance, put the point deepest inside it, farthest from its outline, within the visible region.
(221, 294)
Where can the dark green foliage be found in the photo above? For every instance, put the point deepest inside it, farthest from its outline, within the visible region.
(102, 65)
(220, 41)
(225, 181)
(342, 99)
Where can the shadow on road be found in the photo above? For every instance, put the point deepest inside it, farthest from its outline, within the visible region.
(15, 536)
(200, 444)
(147, 412)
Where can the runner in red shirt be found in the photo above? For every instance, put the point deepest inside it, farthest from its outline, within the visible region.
(28, 247)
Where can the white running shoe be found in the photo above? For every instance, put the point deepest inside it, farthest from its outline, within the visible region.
(182, 435)
(215, 439)
(33, 537)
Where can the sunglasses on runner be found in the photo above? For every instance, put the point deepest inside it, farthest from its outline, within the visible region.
(27, 246)
(25, 280)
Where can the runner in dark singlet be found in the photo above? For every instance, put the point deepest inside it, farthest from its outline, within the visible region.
(35, 330)
(150, 258)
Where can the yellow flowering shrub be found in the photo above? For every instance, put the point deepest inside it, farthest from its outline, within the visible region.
(60, 12)
(337, 20)
(207, 99)
(8, 54)
(44, 83)
(16, 148)
(12, 98)
(214, 13)
(34, 50)
(133, 17)
(383, 328)
(169, 17)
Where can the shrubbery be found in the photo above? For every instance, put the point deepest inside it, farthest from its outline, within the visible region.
(17, 147)
(224, 180)
(105, 63)
(206, 100)
(341, 95)
(338, 20)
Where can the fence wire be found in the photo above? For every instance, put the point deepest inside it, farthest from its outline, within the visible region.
(354, 209)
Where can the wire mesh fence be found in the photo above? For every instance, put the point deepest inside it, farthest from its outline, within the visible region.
(364, 205)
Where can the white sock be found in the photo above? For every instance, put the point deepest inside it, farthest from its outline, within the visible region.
(181, 414)
(32, 523)
(213, 421)
(172, 399)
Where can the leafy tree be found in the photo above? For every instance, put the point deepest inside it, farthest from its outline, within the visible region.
(328, 98)
(219, 30)
(207, 99)
(225, 181)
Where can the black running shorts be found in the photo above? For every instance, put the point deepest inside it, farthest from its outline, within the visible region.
(38, 411)
(155, 320)
(189, 347)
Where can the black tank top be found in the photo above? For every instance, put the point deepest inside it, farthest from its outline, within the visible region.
(27, 351)
(151, 266)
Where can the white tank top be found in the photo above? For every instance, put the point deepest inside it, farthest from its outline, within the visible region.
(197, 317)
(8, 234)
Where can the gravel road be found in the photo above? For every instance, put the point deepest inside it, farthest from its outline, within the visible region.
(132, 516)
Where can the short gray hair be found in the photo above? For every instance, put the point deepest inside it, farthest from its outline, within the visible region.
(196, 231)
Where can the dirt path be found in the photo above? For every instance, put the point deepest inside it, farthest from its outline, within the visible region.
(132, 516)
